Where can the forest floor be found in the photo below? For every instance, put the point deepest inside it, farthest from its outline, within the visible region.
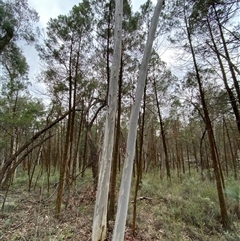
(185, 209)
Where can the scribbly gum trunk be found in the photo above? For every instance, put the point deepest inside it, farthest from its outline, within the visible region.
(99, 229)
(123, 200)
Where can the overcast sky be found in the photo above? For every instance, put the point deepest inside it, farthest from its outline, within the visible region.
(51, 9)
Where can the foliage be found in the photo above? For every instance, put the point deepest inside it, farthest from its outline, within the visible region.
(182, 209)
(17, 21)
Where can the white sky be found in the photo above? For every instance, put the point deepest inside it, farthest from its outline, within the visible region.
(52, 8)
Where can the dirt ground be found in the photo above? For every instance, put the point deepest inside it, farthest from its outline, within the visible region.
(30, 216)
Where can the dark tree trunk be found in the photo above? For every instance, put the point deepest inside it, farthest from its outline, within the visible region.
(65, 162)
(162, 133)
(7, 165)
(231, 96)
(139, 161)
(216, 164)
(231, 68)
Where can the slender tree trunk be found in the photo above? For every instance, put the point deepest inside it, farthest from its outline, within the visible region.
(84, 162)
(118, 233)
(93, 158)
(139, 160)
(66, 161)
(203, 153)
(100, 213)
(136, 190)
(178, 160)
(188, 158)
(113, 181)
(231, 96)
(34, 167)
(231, 68)
(63, 167)
(225, 150)
(234, 165)
(7, 164)
(222, 203)
(76, 151)
(108, 70)
(162, 133)
(182, 158)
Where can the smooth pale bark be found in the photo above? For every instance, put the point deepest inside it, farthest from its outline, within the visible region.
(100, 213)
(119, 228)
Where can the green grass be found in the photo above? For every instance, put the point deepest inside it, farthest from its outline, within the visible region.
(186, 209)
(183, 209)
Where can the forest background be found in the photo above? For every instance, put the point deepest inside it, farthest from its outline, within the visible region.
(189, 121)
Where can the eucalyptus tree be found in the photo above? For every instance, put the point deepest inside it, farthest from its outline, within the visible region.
(128, 67)
(208, 123)
(17, 22)
(192, 42)
(223, 14)
(104, 15)
(65, 53)
(217, 24)
(164, 85)
(19, 111)
(217, 104)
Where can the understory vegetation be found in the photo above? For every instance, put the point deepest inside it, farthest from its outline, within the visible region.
(184, 209)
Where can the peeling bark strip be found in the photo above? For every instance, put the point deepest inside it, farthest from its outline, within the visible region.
(99, 229)
(118, 233)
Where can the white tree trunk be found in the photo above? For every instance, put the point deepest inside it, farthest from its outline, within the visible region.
(100, 212)
(123, 200)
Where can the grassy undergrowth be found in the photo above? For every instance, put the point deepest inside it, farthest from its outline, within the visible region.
(184, 209)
